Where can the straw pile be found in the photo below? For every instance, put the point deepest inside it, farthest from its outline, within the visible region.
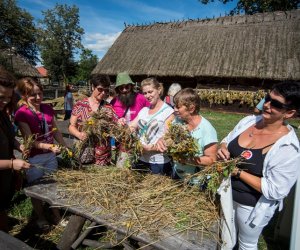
(138, 203)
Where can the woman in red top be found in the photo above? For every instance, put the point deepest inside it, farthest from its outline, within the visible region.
(83, 110)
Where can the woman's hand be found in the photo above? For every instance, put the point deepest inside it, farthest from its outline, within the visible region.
(122, 121)
(82, 136)
(25, 152)
(18, 164)
(223, 153)
(160, 145)
(55, 148)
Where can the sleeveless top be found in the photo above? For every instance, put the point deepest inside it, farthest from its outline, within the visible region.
(253, 160)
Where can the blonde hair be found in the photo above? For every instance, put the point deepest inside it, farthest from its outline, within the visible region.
(153, 81)
(25, 86)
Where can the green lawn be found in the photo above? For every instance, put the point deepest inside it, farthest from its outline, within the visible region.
(21, 211)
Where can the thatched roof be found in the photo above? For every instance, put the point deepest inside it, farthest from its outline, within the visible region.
(17, 64)
(263, 46)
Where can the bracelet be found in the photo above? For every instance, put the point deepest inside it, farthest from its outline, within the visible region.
(12, 163)
(238, 174)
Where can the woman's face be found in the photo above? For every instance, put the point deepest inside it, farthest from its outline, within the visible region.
(5, 96)
(274, 107)
(100, 93)
(152, 94)
(182, 112)
(35, 98)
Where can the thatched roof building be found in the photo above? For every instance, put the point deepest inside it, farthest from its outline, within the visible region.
(233, 48)
(17, 64)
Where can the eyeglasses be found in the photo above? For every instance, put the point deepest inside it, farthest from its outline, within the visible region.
(274, 103)
(100, 89)
(126, 86)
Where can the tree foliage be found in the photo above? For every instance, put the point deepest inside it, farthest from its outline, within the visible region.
(17, 30)
(258, 6)
(60, 38)
(86, 64)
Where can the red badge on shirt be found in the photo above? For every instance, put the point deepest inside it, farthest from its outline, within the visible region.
(247, 154)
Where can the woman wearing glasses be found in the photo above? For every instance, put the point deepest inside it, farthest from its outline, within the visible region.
(83, 110)
(270, 151)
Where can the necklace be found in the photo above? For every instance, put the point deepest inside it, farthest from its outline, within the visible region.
(251, 134)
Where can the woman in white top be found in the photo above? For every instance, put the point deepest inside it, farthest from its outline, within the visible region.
(151, 124)
(271, 154)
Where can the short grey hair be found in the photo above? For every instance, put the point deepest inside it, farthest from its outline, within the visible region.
(174, 88)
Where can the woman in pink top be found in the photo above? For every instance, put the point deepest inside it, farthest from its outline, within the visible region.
(83, 110)
(35, 118)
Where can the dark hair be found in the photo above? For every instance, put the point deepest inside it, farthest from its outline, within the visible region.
(188, 97)
(102, 80)
(291, 93)
(6, 78)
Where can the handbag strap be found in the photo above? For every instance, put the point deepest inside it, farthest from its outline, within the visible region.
(126, 110)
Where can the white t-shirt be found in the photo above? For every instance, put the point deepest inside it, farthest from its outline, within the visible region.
(150, 129)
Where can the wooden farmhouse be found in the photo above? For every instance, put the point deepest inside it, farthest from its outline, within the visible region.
(249, 51)
(17, 64)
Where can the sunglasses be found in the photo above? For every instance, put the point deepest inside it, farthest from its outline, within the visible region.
(274, 103)
(126, 86)
(100, 89)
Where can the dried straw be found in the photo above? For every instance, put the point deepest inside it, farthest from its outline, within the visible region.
(139, 203)
(180, 143)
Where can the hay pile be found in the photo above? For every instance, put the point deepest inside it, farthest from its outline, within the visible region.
(139, 203)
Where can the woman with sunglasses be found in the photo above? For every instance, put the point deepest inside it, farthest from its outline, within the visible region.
(270, 153)
(83, 110)
(8, 163)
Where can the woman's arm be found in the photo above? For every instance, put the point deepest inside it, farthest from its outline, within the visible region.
(251, 180)
(73, 129)
(209, 155)
(14, 164)
(160, 145)
(26, 132)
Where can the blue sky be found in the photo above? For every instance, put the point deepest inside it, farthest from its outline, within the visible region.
(103, 20)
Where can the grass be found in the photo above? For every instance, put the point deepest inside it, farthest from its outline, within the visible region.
(21, 210)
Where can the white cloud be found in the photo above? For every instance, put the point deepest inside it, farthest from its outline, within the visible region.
(99, 41)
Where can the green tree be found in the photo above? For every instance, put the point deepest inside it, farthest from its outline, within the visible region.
(258, 6)
(86, 64)
(60, 39)
(17, 30)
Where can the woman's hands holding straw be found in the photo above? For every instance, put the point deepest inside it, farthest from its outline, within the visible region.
(223, 153)
(18, 164)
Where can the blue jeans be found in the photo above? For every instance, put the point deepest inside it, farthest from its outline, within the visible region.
(153, 168)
